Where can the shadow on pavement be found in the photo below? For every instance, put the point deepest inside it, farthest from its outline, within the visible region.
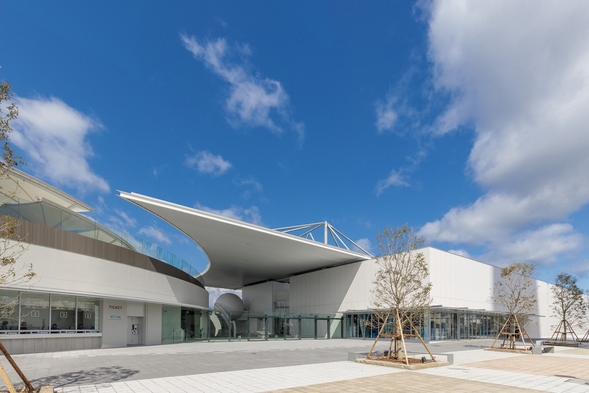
(98, 375)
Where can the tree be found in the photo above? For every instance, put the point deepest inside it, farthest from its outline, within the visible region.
(11, 245)
(568, 304)
(9, 160)
(401, 291)
(516, 292)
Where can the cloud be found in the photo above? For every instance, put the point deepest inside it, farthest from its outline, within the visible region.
(517, 74)
(250, 186)
(206, 162)
(251, 215)
(395, 178)
(386, 116)
(155, 233)
(253, 100)
(462, 253)
(251, 182)
(53, 136)
(365, 244)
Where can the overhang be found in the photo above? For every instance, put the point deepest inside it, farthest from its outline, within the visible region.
(242, 254)
(20, 185)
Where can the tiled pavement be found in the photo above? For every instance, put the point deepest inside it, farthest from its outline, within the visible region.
(300, 366)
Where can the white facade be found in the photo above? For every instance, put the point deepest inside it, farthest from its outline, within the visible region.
(458, 283)
(91, 289)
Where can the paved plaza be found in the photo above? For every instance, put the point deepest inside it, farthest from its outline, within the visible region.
(300, 366)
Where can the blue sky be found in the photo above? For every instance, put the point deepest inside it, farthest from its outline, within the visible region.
(468, 120)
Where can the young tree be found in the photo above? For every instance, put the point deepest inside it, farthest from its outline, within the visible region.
(401, 290)
(516, 292)
(11, 245)
(569, 305)
(9, 160)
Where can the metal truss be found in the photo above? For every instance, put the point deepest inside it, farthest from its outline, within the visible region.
(331, 235)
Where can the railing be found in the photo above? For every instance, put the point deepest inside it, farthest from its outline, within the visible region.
(46, 213)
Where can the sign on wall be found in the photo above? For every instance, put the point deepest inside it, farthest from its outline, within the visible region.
(115, 312)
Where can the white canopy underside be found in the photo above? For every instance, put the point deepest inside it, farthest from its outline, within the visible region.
(242, 254)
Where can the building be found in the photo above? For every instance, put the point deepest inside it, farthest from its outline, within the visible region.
(97, 289)
(297, 287)
(93, 288)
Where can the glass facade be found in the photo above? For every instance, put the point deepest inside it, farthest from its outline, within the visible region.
(437, 324)
(272, 326)
(31, 312)
(182, 324)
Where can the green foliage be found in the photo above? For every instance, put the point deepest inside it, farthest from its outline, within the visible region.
(568, 300)
(401, 279)
(516, 291)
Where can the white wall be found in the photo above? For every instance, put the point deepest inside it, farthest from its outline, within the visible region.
(66, 272)
(332, 290)
(258, 298)
(153, 324)
(458, 282)
(138, 292)
(113, 323)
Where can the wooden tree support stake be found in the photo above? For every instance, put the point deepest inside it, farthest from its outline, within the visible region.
(28, 386)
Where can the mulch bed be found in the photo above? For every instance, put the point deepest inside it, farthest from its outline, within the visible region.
(414, 364)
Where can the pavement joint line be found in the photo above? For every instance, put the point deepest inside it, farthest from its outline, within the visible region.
(314, 360)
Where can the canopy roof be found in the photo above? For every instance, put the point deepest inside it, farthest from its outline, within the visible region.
(24, 187)
(242, 254)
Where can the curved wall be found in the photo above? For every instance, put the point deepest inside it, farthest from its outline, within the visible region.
(133, 289)
(68, 272)
(66, 262)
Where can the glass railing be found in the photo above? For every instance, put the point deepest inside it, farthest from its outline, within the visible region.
(51, 215)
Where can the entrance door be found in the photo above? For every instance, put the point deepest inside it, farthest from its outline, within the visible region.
(134, 325)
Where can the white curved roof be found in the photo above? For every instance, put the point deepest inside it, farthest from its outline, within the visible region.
(242, 254)
(28, 188)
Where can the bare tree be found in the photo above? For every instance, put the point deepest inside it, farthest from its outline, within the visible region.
(569, 306)
(11, 244)
(401, 291)
(516, 292)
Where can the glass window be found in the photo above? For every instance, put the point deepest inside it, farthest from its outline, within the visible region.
(63, 316)
(172, 331)
(88, 313)
(34, 311)
(8, 310)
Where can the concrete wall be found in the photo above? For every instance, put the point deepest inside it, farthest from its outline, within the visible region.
(113, 323)
(124, 289)
(153, 324)
(258, 298)
(332, 290)
(458, 282)
(71, 273)
(34, 343)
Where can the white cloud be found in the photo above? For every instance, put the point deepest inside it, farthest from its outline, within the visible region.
(461, 252)
(251, 215)
(366, 244)
(541, 245)
(253, 100)
(155, 233)
(386, 116)
(395, 178)
(126, 220)
(206, 162)
(53, 136)
(517, 73)
(251, 182)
